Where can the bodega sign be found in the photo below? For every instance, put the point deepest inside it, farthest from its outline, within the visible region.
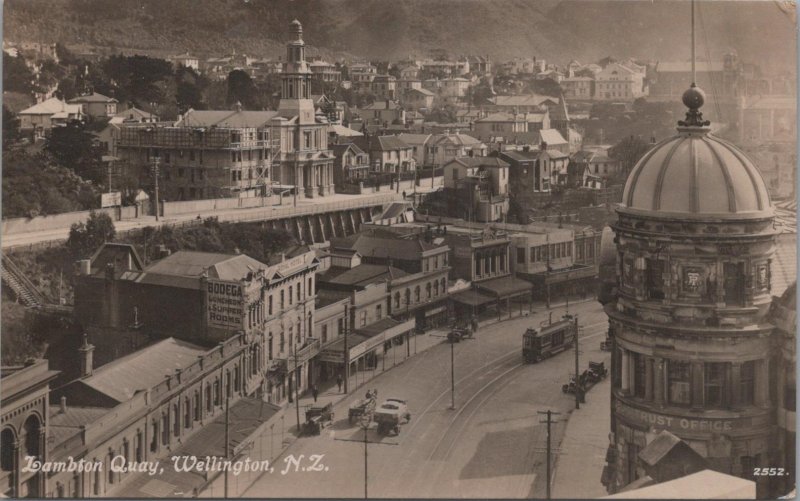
(225, 304)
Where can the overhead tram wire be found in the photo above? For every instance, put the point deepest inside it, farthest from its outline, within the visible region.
(714, 93)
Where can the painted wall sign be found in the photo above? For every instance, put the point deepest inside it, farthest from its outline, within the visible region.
(225, 304)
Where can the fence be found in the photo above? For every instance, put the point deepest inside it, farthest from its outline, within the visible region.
(54, 222)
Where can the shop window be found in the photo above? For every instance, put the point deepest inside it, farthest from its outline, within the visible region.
(747, 383)
(679, 382)
(714, 383)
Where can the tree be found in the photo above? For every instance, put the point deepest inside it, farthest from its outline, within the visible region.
(242, 89)
(84, 239)
(10, 128)
(627, 152)
(17, 77)
(73, 146)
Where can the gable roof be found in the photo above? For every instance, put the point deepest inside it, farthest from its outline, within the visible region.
(193, 264)
(134, 113)
(94, 97)
(340, 149)
(424, 92)
(360, 275)
(551, 137)
(51, 106)
(414, 139)
(458, 139)
(143, 369)
(389, 143)
(226, 118)
(369, 245)
(527, 100)
(489, 162)
(382, 105)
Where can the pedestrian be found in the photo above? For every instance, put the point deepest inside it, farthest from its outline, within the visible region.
(339, 382)
(314, 392)
(474, 324)
(375, 394)
(369, 395)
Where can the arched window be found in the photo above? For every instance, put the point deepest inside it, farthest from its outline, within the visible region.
(32, 442)
(176, 419)
(428, 290)
(443, 283)
(7, 449)
(408, 296)
(416, 294)
(187, 413)
(435, 287)
(396, 299)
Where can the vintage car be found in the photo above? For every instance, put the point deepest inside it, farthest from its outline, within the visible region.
(391, 414)
(318, 417)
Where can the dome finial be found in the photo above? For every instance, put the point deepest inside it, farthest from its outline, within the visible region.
(694, 98)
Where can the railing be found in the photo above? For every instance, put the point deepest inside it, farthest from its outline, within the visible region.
(27, 293)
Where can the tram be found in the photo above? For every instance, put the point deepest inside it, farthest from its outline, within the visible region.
(548, 339)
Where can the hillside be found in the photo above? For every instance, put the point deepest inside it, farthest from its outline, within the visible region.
(558, 30)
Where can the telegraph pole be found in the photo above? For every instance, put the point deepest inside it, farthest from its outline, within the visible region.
(577, 379)
(452, 375)
(549, 421)
(227, 438)
(366, 476)
(346, 349)
(155, 177)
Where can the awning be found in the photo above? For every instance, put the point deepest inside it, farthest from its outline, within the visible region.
(504, 287)
(471, 298)
(578, 271)
(365, 339)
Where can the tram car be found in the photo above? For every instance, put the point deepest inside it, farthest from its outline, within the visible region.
(547, 340)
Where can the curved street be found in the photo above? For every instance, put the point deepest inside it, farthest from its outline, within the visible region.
(491, 445)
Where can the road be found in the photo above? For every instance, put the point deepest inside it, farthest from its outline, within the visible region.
(490, 445)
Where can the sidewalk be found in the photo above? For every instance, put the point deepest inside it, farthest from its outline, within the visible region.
(580, 464)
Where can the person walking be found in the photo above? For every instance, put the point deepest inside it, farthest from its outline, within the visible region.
(339, 382)
(314, 393)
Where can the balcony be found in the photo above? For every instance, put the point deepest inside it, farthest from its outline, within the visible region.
(303, 355)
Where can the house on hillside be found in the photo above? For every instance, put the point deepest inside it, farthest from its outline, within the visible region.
(96, 105)
(40, 118)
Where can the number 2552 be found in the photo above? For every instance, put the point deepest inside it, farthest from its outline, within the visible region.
(768, 472)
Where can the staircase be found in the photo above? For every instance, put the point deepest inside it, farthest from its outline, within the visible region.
(14, 279)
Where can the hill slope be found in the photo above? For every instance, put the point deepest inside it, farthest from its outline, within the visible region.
(558, 30)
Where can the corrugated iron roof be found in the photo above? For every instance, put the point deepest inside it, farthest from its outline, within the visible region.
(193, 264)
(144, 369)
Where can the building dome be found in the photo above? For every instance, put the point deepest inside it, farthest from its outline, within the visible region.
(696, 175)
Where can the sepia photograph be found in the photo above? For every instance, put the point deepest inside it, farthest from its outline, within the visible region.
(399, 249)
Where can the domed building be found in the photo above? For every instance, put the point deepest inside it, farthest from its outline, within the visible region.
(692, 339)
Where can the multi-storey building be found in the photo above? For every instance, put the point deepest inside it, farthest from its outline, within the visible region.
(206, 154)
(304, 160)
(419, 290)
(618, 82)
(25, 421)
(203, 298)
(481, 186)
(324, 71)
(692, 346)
(96, 105)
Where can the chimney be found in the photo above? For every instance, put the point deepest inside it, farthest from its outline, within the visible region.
(86, 350)
(63, 405)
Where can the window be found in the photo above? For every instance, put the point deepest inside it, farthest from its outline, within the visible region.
(282, 343)
(714, 383)
(269, 304)
(443, 285)
(428, 290)
(299, 293)
(435, 288)
(209, 402)
(196, 406)
(282, 299)
(187, 413)
(654, 278)
(639, 374)
(363, 316)
(678, 382)
(521, 255)
(324, 334)
(747, 383)
(416, 294)
(290, 294)
(379, 312)
(310, 290)
(396, 299)
(307, 139)
(339, 326)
